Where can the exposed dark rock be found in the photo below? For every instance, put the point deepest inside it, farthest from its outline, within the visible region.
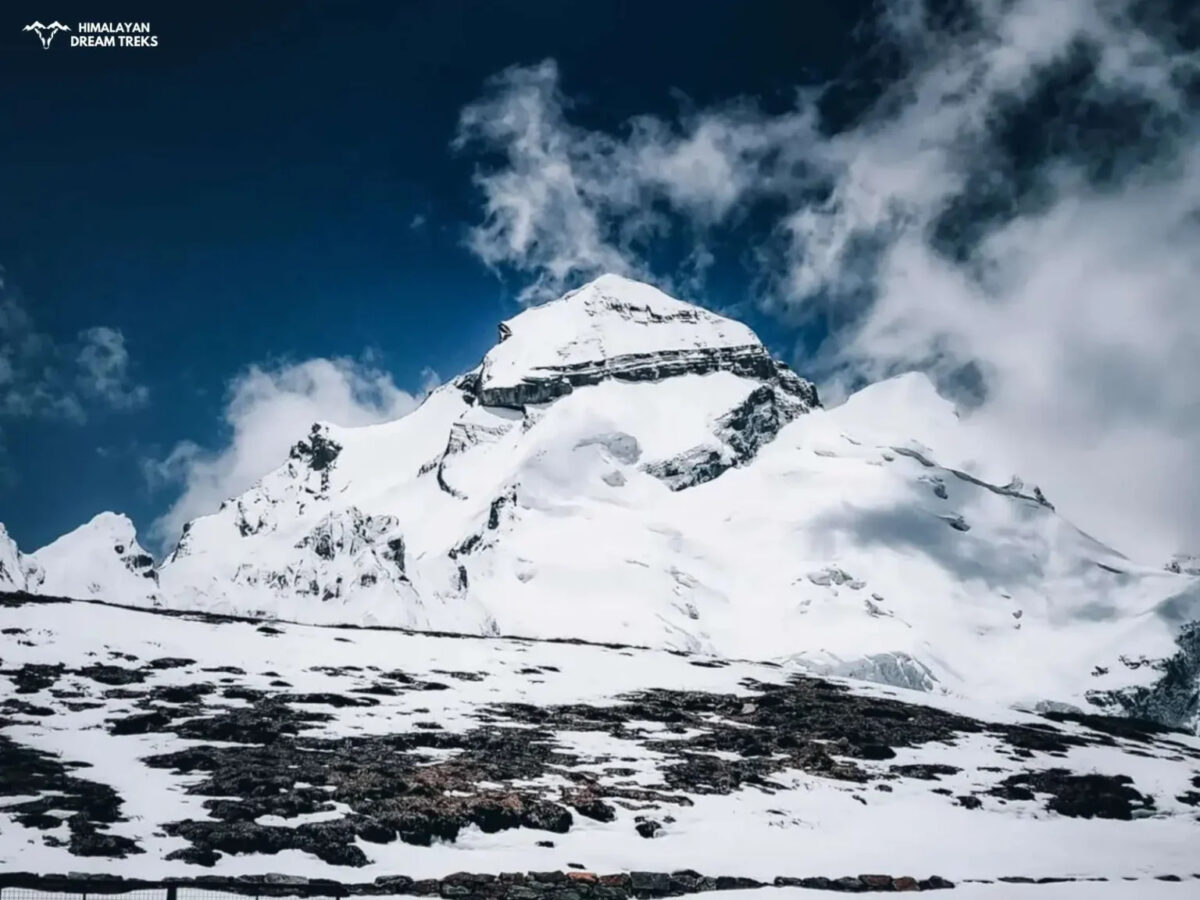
(877, 882)
(1173, 699)
(924, 771)
(180, 693)
(85, 842)
(197, 856)
(547, 817)
(92, 806)
(319, 451)
(170, 662)
(691, 468)
(1081, 796)
(552, 885)
(594, 808)
(743, 431)
(331, 842)
(140, 723)
(1127, 727)
(13, 706)
(649, 828)
(935, 882)
(31, 678)
(550, 383)
(650, 884)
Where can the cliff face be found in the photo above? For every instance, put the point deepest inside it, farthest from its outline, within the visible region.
(18, 571)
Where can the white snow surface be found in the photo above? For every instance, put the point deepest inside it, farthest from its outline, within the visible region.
(873, 540)
(101, 558)
(802, 825)
(609, 318)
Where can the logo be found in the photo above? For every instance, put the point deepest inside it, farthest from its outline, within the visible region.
(46, 32)
(97, 34)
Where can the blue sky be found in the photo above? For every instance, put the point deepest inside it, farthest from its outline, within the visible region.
(247, 192)
(280, 185)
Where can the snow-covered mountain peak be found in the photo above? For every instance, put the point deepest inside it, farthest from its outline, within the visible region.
(626, 467)
(101, 558)
(611, 328)
(606, 319)
(107, 525)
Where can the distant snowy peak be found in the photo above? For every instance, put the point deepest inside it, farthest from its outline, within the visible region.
(99, 559)
(619, 329)
(18, 572)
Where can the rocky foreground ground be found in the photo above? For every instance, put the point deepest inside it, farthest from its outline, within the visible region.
(150, 746)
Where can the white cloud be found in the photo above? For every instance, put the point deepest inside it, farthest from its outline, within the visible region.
(103, 364)
(61, 379)
(267, 411)
(568, 203)
(1055, 255)
(1078, 307)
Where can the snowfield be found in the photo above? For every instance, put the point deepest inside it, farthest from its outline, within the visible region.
(170, 745)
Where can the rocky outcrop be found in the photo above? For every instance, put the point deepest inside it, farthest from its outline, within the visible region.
(742, 432)
(319, 452)
(1173, 699)
(1183, 564)
(545, 384)
(136, 560)
(344, 548)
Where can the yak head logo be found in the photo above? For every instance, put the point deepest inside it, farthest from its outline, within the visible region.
(46, 32)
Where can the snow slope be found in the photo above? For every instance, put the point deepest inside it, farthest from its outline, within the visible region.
(626, 467)
(100, 558)
(367, 739)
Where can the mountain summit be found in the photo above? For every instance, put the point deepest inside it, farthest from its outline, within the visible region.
(612, 328)
(626, 467)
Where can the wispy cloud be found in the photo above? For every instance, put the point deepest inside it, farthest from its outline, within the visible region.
(45, 377)
(1017, 214)
(562, 203)
(103, 369)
